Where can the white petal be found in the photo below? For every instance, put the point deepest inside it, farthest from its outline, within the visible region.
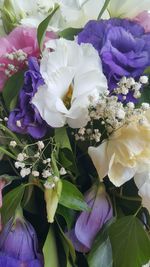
(127, 8)
(99, 158)
(143, 183)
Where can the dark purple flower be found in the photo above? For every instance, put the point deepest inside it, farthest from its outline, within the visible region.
(25, 119)
(19, 245)
(123, 46)
(89, 224)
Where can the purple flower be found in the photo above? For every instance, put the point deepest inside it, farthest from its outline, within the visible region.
(89, 224)
(123, 46)
(25, 119)
(18, 245)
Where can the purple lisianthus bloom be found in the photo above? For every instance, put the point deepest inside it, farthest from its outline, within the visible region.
(123, 46)
(19, 245)
(25, 118)
(90, 223)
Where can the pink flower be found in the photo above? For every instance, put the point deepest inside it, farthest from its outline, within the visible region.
(144, 20)
(15, 49)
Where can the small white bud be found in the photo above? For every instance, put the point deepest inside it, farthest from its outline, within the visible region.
(35, 173)
(40, 145)
(144, 79)
(20, 157)
(13, 143)
(62, 171)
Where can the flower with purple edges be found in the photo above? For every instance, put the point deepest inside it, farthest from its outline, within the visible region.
(19, 245)
(123, 46)
(25, 118)
(90, 223)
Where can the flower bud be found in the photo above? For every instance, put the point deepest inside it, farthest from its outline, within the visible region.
(18, 244)
(52, 195)
(89, 224)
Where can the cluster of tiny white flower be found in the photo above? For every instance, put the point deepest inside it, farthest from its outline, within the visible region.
(15, 58)
(28, 163)
(107, 113)
(127, 85)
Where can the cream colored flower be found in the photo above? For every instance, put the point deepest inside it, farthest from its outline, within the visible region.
(125, 153)
(127, 8)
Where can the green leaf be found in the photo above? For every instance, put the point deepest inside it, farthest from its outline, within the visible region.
(103, 9)
(41, 31)
(69, 33)
(10, 202)
(50, 250)
(61, 138)
(71, 197)
(67, 214)
(130, 243)
(11, 90)
(101, 253)
(67, 245)
(66, 155)
(145, 97)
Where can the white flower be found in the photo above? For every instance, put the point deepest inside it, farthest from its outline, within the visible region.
(40, 145)
(147, 265)
(71, 13)
(62, 171)
(127, 8)
(35, 173)
(20, 157)
(24, 172)
(13, 143)
(71, 73)
(142, 181)
(125, 153)
(19, 165)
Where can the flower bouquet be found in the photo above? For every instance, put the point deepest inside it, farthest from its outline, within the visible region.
(74, 133)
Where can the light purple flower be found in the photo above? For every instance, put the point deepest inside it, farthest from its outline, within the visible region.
(19, 245)
(25, 118)
(89, 224)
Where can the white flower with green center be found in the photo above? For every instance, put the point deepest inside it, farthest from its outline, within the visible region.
(72, 73)
(127, 8)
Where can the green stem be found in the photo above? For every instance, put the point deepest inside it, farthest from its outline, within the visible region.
(138, 211)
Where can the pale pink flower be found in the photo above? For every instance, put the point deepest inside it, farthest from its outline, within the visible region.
(144, 20)
(15, 49)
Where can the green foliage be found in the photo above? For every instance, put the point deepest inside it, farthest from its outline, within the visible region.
(69, 33)
(67, 214)
(50, 250)
(41, 31)
(66, 156)
(71, 197)
(67, 246)
(103, 9)
(101, 253)
(11, 90)
(10, 203)
(130, 243)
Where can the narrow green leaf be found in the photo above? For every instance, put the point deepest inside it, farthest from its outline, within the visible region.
(103, 9)
(130, 243)
(41, 31)
(50, 250)
(4, 151)
(11, 89)
(69, 33)
(10, 202)
(71, 197)
(67, 245)
(67, 214)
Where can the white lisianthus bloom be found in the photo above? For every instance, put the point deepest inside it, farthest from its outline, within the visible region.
(71, 13)
(125, 153)
(72, 73)
(142, 181)
(127, 8)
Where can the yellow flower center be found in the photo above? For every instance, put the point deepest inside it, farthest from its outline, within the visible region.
(68, 96)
